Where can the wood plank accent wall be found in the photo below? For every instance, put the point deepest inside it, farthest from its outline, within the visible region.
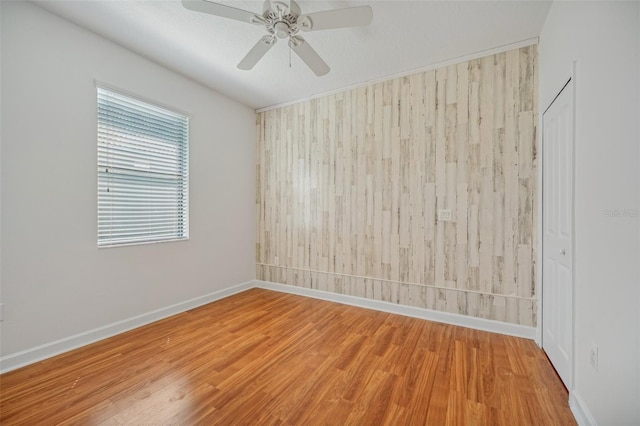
(349, 185)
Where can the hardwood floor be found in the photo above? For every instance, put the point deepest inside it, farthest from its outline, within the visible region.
(263, 358)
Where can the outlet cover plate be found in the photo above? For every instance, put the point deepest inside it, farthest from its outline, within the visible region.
(444, 215)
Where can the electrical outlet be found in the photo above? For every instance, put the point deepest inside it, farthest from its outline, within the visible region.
(1, 311)
(444, 215)
(593, 356)
(277, 260)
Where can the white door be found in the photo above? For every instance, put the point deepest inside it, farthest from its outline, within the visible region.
(557, 232)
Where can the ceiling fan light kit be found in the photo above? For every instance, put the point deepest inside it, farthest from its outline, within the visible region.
(285, 21)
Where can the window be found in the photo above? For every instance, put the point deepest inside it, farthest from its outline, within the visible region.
(143, 172)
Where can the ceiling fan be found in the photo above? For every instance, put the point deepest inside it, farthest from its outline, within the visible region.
(285, 20)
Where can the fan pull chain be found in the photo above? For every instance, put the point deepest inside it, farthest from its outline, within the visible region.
(289, 55)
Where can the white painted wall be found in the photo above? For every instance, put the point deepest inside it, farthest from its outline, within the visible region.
(603, 38)
(55, 281)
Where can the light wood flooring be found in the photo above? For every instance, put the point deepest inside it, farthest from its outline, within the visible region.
(268, 358)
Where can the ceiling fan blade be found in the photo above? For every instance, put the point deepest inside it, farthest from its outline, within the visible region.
(294, 9)
(338, 18)
(308, 55)
(218, 9)
(266, 6)
(257, 52)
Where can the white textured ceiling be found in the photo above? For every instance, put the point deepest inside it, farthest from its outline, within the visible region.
(404, 35)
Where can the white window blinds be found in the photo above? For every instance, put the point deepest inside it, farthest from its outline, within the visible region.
(143, 172)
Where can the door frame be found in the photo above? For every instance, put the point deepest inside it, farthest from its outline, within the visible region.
(569, 81)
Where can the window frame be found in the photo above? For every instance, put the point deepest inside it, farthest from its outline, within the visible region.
(185, 199)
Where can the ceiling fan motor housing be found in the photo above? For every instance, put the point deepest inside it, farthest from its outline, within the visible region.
(281, 18)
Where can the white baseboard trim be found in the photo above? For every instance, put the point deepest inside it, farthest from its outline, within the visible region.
(410, 311)
(539, 333)
(48, 350)
(580, 411)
